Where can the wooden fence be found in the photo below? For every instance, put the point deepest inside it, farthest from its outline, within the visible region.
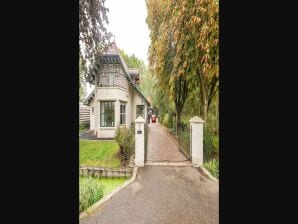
(84, 114)
(106, 172)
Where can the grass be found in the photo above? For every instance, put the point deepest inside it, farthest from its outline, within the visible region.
(90, 192)
(110, 184)
(99, 153)
(213, 167)
(93, 189)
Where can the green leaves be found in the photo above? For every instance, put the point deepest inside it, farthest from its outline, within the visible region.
(90, 192)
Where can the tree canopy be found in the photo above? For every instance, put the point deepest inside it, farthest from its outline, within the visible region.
(183, 53)
(94, 35)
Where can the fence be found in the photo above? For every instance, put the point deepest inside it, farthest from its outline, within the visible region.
(84, 114)
(184, 142)
(105, 172)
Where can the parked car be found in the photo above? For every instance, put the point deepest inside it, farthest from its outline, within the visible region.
(153, 118)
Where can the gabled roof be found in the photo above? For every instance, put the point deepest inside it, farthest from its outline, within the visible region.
(112, 55)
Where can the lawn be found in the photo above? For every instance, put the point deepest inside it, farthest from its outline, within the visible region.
(99, 153)
(110, 184)
(93, 189)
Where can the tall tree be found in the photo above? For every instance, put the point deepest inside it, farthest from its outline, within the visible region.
(147, 80)
(184, 48)
(196, 35)
(82, 82)
(92, 23)
(93, 36)
(162, 53)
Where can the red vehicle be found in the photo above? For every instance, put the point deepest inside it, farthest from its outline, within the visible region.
(153, 118)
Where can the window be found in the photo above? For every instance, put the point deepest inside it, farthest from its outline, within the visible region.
(111, 75)
(107, 114)
(92, 110)
(117, 70)
(122, 113)
(105, 70)
(140, 111)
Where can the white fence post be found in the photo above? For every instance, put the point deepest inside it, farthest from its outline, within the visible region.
(196, 129)
(139, 141)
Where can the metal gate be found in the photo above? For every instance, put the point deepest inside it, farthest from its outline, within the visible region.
(184, 142)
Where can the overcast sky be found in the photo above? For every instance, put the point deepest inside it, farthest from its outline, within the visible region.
(127, 21)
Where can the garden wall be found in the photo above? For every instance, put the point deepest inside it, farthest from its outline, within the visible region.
(105, 172)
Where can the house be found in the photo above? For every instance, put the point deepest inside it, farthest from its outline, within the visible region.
(116, 98)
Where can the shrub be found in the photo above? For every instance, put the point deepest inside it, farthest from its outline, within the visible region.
(207, 145)
(90, 192)
(168, 121)
(83, 126)
(126, 140)
(216, 146)
(213, 167)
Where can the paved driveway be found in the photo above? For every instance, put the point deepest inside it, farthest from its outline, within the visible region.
(163, 195)
(161, 147)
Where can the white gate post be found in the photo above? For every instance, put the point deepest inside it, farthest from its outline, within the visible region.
(196, 131)
(139, 142)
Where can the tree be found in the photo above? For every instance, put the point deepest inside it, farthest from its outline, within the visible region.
(184, 48)
(162, 53)
(196, 35)
(94, 36)
(147, 80)
(82, 82)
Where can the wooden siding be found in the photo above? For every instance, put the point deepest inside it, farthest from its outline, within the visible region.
(84, 114)
(119, 77)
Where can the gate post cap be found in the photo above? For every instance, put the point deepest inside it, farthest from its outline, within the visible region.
(140, 119)
(196, 119)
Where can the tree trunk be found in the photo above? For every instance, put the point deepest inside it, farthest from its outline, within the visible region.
(178, 122)
(204, 100)
(205, 111)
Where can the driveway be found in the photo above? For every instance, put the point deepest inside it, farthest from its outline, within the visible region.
(163, 195)
(161, 147)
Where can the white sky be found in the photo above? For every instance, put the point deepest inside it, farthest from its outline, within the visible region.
(127, 21)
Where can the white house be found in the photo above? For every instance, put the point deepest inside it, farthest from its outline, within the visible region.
(116, 98)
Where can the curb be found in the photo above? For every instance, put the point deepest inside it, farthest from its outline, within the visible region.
(108, 196)
(208, 174)
(184, 164)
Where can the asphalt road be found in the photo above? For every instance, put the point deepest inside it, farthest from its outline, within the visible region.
(163, 195)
